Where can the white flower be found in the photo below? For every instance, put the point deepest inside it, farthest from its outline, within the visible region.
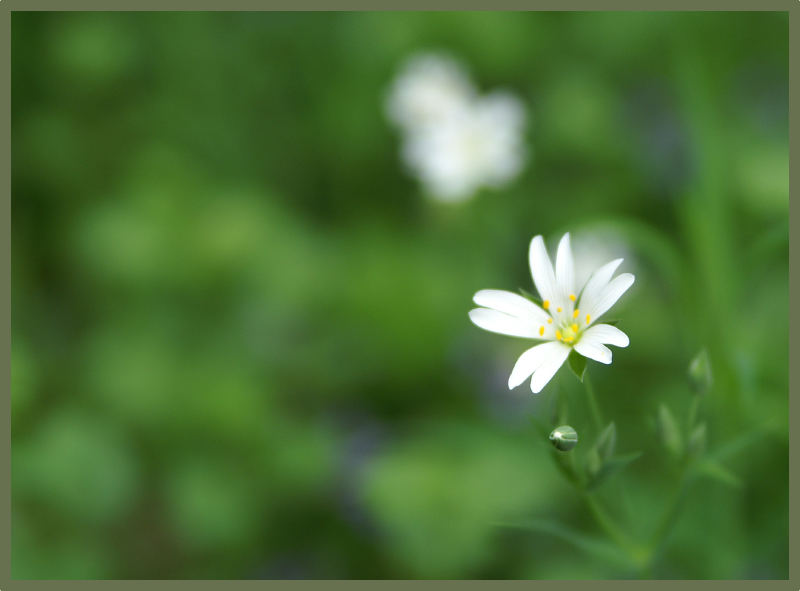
(480, 145)
(430, 88)
(565, 321)
(455, 142)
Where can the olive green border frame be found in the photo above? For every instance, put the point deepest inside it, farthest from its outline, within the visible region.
(8, 6)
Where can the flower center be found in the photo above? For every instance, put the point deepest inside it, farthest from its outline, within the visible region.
(569, 323)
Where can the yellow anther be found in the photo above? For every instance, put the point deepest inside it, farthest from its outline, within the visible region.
(541, 330)
(574, 327)
(572, 297)
(549, 321)
(576, 313)
(569, 339)
(588, 319)
(558, 335)
(546, 304)
(558, 309)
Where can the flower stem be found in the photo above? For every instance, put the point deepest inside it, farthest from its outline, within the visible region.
(605, 521)
(593, 406)
(670, 516)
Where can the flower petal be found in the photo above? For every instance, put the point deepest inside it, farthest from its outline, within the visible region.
(548, 368)
(593, 350)
(495, 321)
(605, 334)
(542, 270)
(610, 294)
(529, 362)
(596, 284)
(511, 304)
(565, 267)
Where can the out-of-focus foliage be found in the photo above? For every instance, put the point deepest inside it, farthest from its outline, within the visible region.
(239, 328)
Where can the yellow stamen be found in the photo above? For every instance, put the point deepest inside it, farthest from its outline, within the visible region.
(541, 330)
(549, 321)
(588, 319)
(558, 335)
(546, 304)
(576, 313)
(558, 309)
(569, 339)
(572, 297)
(574, 327)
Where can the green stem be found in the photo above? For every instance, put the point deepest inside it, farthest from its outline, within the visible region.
(605, 521)
(670, 516)
(593, 406)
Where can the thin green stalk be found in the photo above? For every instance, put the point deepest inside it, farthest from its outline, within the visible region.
(593, 406)
(670, 516)
(605, 521)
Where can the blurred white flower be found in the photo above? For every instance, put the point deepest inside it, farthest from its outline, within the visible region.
(565, 321)
(430, 87)
(455, 141)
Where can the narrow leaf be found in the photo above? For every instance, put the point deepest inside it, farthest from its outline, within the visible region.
(597, 547)
(611, 467)
(720, 473)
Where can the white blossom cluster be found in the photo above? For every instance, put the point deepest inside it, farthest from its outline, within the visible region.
(455, 140)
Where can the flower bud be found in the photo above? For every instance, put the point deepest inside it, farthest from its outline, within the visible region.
(564, 438)
(669, 432)
(699, 372)
(697, 440)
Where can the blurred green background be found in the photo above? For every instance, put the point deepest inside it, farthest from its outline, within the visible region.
(239, 327)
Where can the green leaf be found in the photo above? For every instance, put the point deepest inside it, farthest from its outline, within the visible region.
(597, 547)
(720, 473)
(577, 363)
(611, 467)
(612, 322)
(742, 442)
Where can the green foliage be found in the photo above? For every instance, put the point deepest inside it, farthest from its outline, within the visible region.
(239, 336)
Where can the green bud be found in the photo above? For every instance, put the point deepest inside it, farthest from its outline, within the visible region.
(594, 463)
(700, 376)
(564, 438)
(697, 440)
(602, 450)
(607, 441)
(669, 432)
